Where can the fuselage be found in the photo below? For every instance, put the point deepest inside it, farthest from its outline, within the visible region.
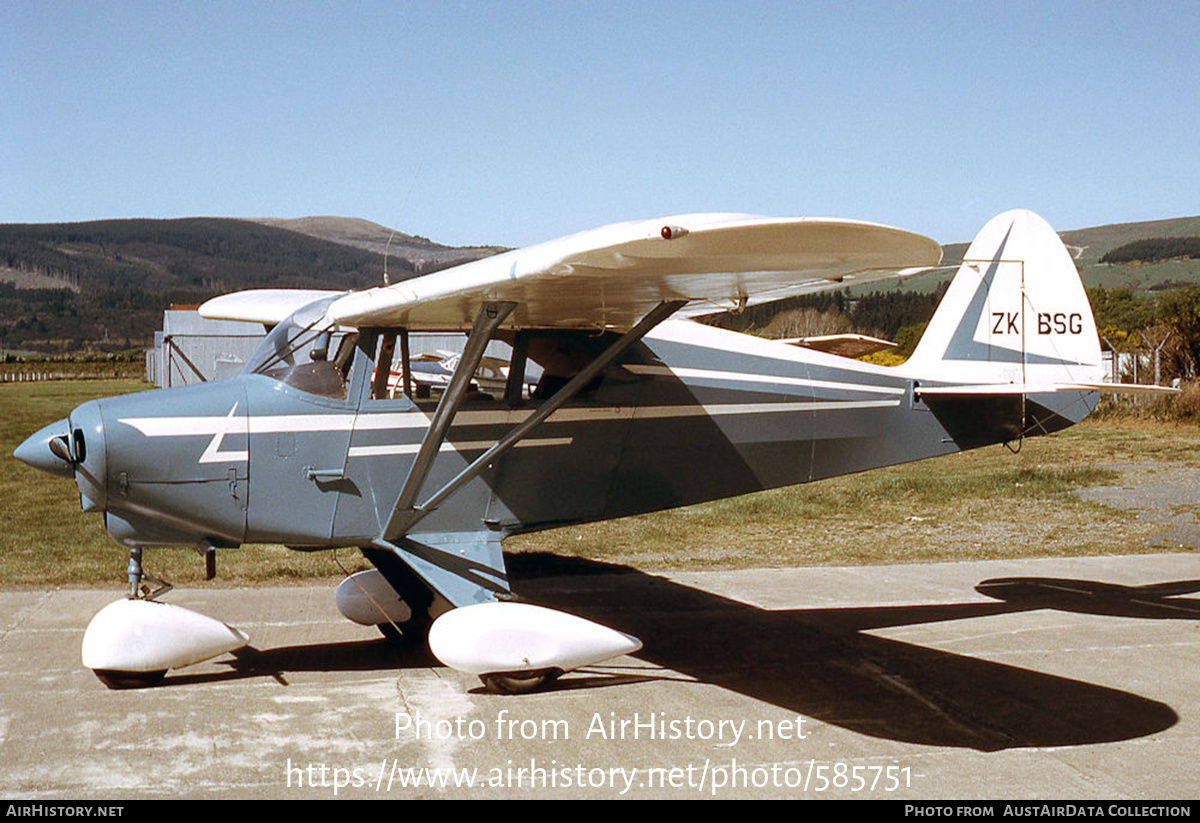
(311, 447)
(691, 413)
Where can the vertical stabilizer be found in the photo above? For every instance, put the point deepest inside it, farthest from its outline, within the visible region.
(1015, 313)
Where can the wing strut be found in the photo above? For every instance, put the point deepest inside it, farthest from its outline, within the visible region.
(490, 316)
(406, 364)
(406, 516)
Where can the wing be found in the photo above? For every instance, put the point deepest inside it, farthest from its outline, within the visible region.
(269, 306)
(611, 277)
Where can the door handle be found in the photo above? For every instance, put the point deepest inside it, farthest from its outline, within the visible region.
(325, 475)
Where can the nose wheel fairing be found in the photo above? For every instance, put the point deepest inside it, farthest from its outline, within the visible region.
(134, 642)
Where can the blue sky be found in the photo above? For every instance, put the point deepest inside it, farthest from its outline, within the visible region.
(511, 123)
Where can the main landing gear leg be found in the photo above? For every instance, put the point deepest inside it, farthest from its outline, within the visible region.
(412, 590)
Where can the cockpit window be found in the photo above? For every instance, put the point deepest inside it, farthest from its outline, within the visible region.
(306, 352)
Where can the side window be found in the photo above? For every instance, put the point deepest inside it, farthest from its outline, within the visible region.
(511, 370)
(308, 353)
(561, 356)
(320, 373)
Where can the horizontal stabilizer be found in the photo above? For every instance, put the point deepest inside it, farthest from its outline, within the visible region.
(1043, 388)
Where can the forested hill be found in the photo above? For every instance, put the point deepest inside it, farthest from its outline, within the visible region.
(66, 286)
(1155, 250)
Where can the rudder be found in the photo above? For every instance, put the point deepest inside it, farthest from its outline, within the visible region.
(1016, 312)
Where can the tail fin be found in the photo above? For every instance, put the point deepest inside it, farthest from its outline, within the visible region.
(1015, 313)
(1012, 350)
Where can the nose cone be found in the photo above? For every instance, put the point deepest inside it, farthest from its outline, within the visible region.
(49, 450)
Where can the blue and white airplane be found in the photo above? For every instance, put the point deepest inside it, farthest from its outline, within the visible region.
(636, 410)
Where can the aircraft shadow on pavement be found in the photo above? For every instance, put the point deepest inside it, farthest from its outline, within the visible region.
(820, 663)
(1157, 601)
(823, 663)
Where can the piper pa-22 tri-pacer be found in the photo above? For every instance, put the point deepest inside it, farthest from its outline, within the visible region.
(636, 410)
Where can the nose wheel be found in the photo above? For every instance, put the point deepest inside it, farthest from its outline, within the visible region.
(117, 680)
(519, 682)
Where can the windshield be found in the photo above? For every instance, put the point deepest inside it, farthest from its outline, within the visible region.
(306, 351)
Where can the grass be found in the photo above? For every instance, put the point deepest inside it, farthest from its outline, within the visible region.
(980, 505)
(986, 504)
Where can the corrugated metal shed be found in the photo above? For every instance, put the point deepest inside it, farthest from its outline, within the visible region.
(196, 350)
(191, 349)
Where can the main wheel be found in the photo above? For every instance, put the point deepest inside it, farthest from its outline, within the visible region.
(519, 682)
(129, 680)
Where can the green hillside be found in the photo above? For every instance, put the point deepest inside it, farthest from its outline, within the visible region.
(66, 287)
(421, 252)
(1087, 246)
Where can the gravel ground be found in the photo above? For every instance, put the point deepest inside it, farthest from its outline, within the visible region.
(1157, 492)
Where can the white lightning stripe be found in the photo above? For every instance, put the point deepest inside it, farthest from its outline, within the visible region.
(747, 377)
(297, 423)
(213, 453)
(174, 426)
(466, 445)
(275, 424)
(722, 409)
(219, 427)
